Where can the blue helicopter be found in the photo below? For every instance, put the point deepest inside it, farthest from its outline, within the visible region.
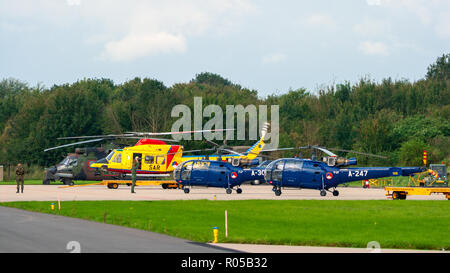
(327, 173)
(322, 175)
(213, 173)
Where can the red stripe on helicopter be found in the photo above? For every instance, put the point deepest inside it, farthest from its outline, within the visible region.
(149, 141)
(171, 153)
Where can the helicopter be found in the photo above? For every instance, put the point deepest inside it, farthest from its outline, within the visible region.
(327, 173)
(220, 174)
(75, 166)
(156, 157)
(214, 173)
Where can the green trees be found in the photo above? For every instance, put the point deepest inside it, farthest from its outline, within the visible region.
(397, 118)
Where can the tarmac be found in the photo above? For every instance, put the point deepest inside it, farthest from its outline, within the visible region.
(100, 192)
(31, 232)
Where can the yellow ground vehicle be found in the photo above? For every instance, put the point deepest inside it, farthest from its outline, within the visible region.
(401, 192)
(166, 184)
(432, 181)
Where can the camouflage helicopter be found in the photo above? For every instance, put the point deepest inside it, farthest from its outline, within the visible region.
(75, 166)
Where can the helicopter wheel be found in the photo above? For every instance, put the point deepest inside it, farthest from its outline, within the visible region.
(186, 190)
(323, 193)
(229, 191)
(277, 192)
(239, 191)
(335, 193)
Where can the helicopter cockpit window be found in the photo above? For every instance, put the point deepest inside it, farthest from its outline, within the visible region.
(64, 161)
(73, 161)
(118, 158)
(274, 171)
(201, 165)
(293, 165)
(186, 170)
(160, 159)
(110, 156)
(149, 159)
(278, 171)
(69, 161)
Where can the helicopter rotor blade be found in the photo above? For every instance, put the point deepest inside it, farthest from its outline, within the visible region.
(176, 133)
(102, 136)
(231, 151)
(325, 151)
(212, 142)
(154, 138)
(75, 143)
(356, 152)
(194, 151)
(277, 149)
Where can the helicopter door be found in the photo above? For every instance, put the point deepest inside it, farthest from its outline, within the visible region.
(140, 159)
(219, 175)
(312, 175)
(200, 172)
(291, 173)
(277, 173)
(186, 169)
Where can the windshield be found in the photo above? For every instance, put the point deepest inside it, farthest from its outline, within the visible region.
(69, 160)
(108, 158)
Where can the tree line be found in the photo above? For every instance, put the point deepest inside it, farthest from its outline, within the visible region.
(396, 118)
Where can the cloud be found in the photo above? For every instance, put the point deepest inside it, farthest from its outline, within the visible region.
(126, 30)
(73, 2)
(134, 46)
(373, 2)
(373, 48)
(320, 20)
(274, 58)
(373, 28)
(165, 27)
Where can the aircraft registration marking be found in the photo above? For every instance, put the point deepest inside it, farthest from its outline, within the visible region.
(258, 172)
(361, 173)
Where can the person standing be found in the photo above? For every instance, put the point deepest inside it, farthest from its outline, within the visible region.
(20, 172)
(133, 173)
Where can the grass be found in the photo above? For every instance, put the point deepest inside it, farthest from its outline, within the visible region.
(407, 224)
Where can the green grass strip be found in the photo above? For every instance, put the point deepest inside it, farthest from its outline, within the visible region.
(406, 224)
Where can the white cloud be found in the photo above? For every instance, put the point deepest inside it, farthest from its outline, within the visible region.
(320, 20)
(73, 2)
(373, 48)
(165, 26)
(135, 46)
(373, 28)
(373, 2)
(274, 58)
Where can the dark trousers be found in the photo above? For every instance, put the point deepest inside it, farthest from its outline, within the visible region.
(20, 183)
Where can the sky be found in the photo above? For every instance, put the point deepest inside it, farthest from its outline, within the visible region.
(268, 46)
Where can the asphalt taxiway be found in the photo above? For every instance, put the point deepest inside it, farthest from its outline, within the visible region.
(53, 192)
